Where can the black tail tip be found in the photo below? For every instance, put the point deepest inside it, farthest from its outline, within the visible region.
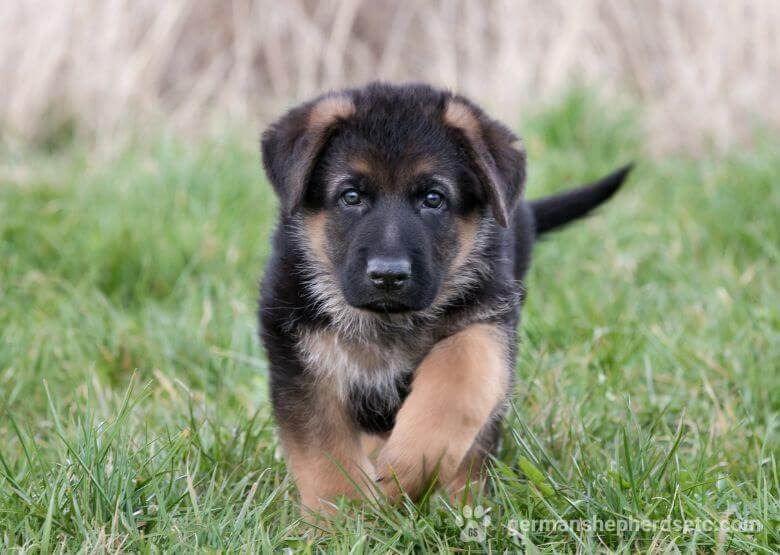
(611, 183)
(622, 173)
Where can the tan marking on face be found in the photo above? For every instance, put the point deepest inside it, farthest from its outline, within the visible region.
(518, 145)
(315, 234)
(361, 166)
(454, 392)
(327, 461)
(331, 109)
(391, 178)
(423, 165)
(467, 234)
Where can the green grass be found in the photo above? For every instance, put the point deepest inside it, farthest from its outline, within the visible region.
(133, 402)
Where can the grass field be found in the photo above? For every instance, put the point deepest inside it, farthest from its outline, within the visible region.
(133, 403)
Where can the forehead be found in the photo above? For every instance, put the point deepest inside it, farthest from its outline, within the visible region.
(393, 140)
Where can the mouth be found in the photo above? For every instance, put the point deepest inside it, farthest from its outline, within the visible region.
(387, 307)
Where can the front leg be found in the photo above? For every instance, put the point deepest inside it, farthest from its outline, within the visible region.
(456, 390)
(324, 453)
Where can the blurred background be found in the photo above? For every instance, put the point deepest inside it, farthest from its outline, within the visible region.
(705, 72)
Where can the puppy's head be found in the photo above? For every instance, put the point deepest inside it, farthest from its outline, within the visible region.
(391, 185)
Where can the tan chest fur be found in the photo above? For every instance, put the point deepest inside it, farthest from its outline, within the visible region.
(349, 366)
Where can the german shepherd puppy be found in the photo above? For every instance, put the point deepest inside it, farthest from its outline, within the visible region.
(390, 303)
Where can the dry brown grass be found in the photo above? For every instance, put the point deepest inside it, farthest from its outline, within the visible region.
(704, 69)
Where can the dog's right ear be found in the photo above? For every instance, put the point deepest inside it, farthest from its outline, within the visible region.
(292, 145)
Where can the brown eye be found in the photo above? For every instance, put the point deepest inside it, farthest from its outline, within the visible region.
(351, 197)
(433, 199)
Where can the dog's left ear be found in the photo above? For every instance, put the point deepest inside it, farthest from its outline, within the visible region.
(497, 154)
(292, 145)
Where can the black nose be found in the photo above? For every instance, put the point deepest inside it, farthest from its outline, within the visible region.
(389, 273)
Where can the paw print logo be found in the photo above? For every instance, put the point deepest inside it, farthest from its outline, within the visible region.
(473, 523)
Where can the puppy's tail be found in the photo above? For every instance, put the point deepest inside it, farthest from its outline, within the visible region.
(555, 211)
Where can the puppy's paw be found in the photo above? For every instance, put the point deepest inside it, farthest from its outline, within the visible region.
(397, 473)
(409, 471)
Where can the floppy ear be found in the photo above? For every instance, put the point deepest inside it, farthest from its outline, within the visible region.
(292, 145)
(497, 154)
